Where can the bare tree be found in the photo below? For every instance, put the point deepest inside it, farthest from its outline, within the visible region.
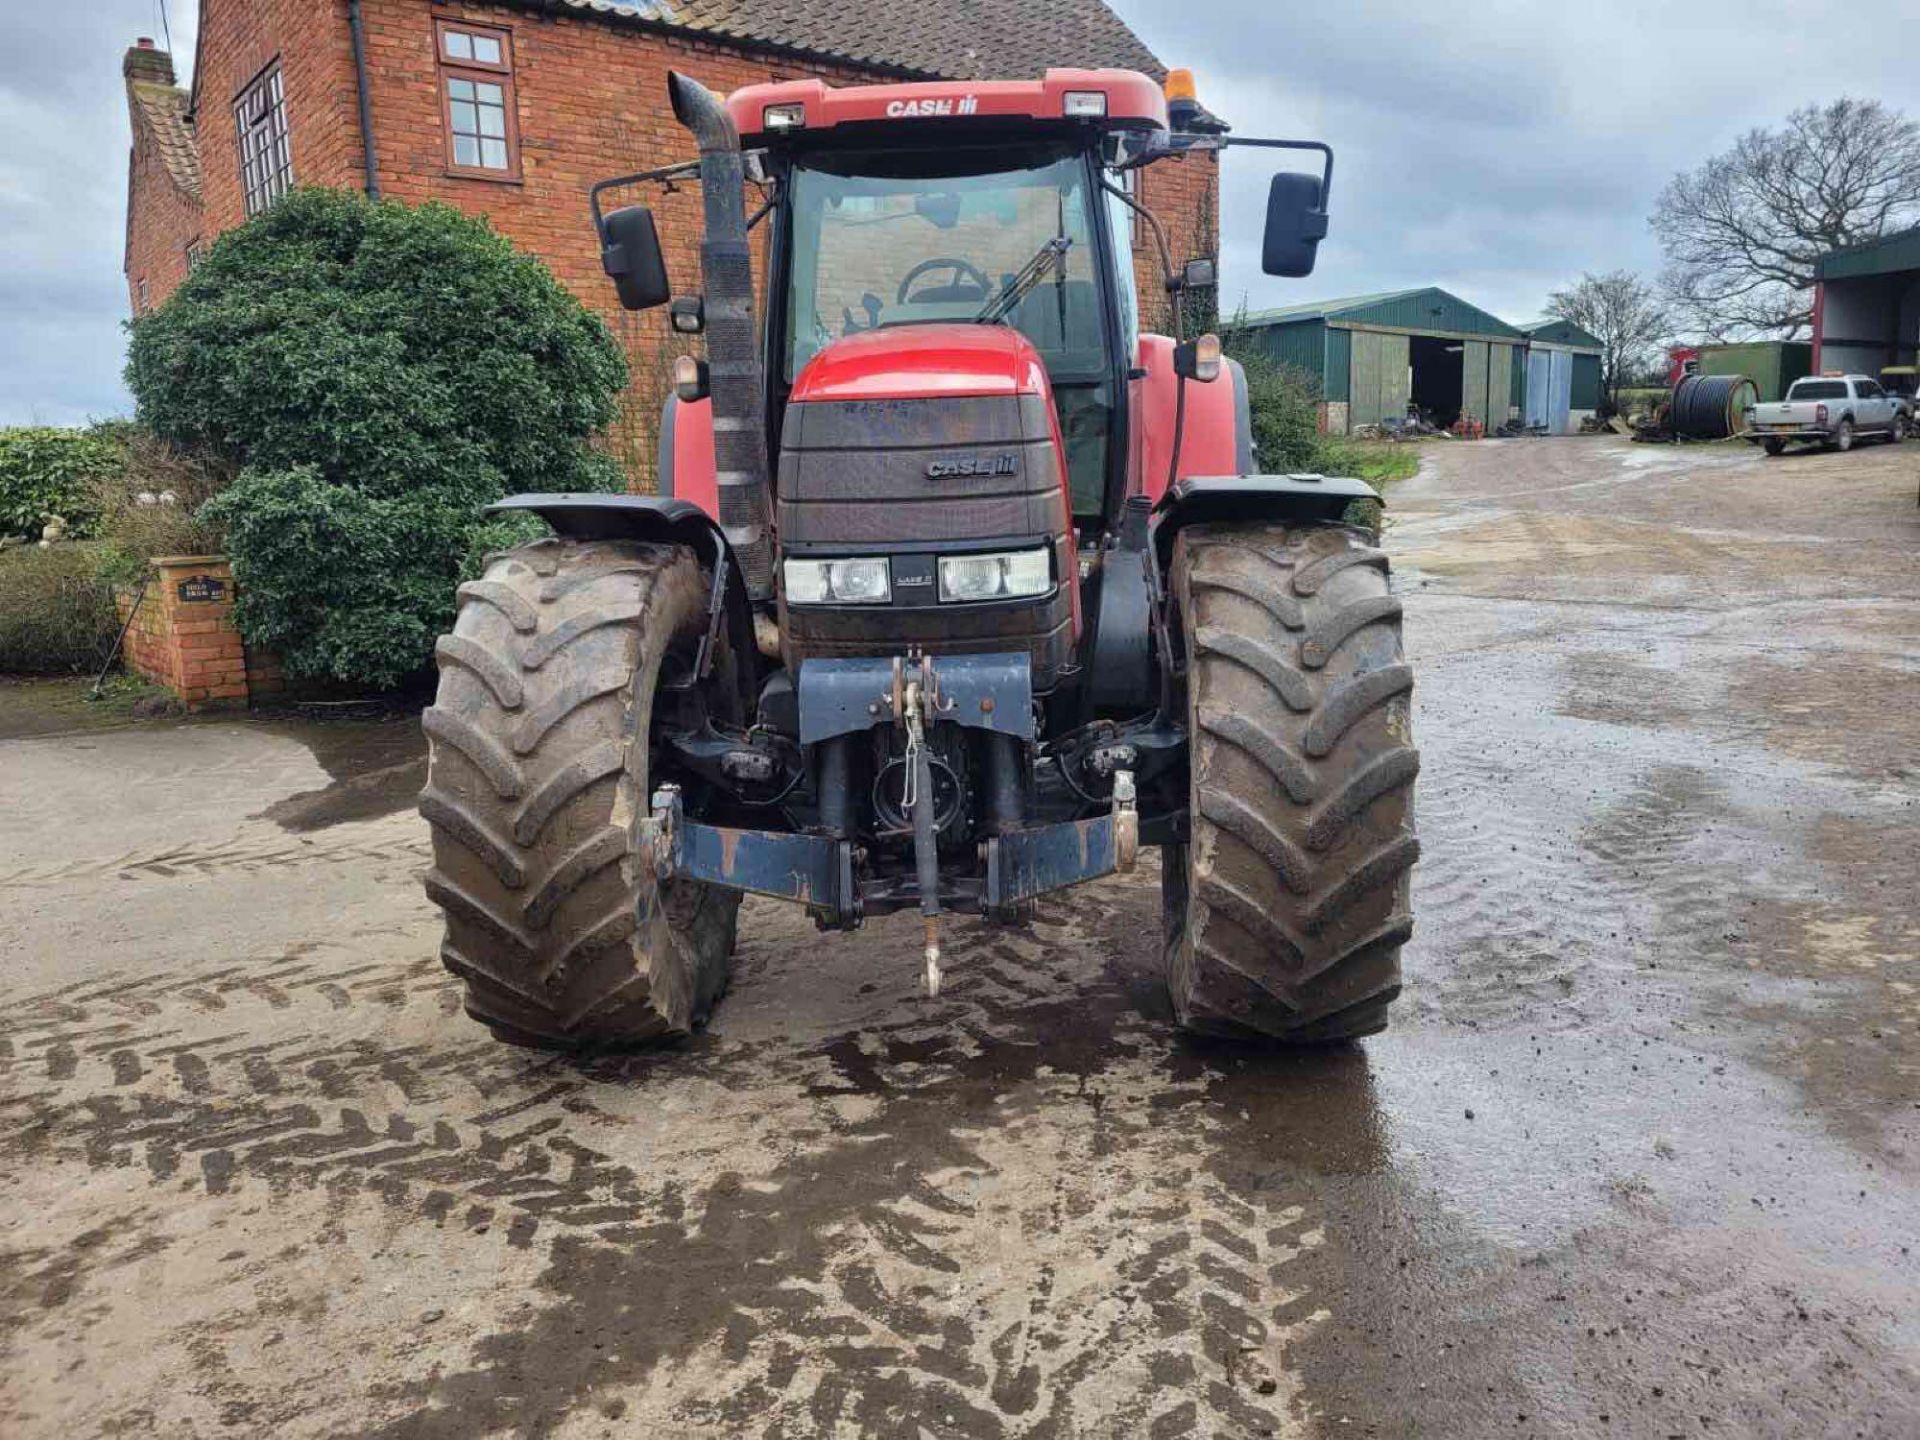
(1742, 233)
(1624, 314)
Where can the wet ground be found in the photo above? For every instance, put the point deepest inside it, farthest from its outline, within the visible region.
(1638, 1157)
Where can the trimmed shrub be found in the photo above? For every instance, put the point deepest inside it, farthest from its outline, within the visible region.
(376, 374)
(1284, 407)
(56, 613)
(46, 472)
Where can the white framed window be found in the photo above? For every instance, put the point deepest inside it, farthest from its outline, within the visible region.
(266, 149)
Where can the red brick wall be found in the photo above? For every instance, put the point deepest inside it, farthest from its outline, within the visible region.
(1184, 195)
(190, 645)
(238, 40)
(592, 102)
(161, 224)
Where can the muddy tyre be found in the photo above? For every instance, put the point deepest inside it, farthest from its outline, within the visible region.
(537, 773)
(1286, 911)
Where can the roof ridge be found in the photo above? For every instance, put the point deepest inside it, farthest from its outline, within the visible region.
(1006, 39)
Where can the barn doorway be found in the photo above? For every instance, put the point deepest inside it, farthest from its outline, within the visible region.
(1437, 388)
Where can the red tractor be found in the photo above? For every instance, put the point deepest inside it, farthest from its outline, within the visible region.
(959, 588)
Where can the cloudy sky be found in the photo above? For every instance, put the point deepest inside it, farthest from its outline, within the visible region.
(1497, 148)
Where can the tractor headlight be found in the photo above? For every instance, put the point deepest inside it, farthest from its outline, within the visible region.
(838, 582)
(995, 577)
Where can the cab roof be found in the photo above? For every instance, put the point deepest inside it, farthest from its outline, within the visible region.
(1133, 102)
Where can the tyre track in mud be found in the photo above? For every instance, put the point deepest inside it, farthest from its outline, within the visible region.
(245, 853)
(855, 1283)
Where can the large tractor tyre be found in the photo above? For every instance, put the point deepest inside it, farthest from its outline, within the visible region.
(537, 773)
(1286, 911)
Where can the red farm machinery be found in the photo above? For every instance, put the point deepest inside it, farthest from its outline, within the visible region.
(959, 588)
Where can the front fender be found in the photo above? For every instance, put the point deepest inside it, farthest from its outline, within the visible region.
(657, 520)
(1285, 499)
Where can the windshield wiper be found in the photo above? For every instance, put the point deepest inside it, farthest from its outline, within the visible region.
(1050, 256)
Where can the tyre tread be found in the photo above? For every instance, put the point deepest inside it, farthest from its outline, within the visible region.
(537, 758)
(1287, 910)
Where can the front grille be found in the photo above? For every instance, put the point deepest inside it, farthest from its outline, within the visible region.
(901, 472)
(912, 478)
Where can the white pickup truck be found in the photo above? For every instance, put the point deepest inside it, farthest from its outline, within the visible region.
(1832, 410)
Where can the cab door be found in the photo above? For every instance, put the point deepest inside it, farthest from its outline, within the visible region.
(1874, 410)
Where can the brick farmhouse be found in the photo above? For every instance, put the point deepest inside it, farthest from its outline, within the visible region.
(513, 110)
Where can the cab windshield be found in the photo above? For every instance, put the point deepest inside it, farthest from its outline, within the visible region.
(900, 238)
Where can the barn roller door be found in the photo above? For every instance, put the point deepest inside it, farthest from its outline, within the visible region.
(1499, 384)
(1560, 394)
(1539, 375)
(1473, 380)
(1380, 379)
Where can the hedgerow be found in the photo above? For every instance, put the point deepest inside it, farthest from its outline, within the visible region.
(47, 472)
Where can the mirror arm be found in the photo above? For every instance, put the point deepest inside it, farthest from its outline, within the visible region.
(664, 176)
(1160, 240)
(1161, 146)
(1324, 150)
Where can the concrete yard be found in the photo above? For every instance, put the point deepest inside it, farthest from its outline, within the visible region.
(1640, 1155)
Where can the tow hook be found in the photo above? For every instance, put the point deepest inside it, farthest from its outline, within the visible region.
(1126, 823)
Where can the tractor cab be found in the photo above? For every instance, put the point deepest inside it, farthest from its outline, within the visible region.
(983, 203)
(919, 205)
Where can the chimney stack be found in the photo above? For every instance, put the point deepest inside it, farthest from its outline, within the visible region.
(147, 64)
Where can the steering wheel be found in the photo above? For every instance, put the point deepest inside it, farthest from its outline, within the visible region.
(967, 283)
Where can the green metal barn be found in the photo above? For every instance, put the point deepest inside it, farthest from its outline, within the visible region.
(1375, 354)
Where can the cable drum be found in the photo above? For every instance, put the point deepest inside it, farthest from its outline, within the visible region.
(1711, 407)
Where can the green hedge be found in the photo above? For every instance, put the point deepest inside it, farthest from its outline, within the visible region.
(46, 472)
(56, 613)
(377, 374)
(1284, 405)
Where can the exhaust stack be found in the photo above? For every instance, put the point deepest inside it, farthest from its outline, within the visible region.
(745, 490)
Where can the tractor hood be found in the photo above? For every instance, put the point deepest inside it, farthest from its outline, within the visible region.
(923, 361)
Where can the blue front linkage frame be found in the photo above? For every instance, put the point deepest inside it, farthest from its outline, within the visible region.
(839, 697)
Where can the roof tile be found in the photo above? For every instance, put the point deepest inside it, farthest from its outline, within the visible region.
(960, 39)
(163, 110)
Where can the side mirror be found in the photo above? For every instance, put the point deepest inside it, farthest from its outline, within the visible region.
(688, 314)
(1296, 224)
(630, 253)
(1200, 274)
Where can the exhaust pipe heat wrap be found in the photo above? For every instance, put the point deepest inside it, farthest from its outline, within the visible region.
(733, 358)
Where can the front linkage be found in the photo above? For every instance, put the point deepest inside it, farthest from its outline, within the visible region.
(827, 872)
